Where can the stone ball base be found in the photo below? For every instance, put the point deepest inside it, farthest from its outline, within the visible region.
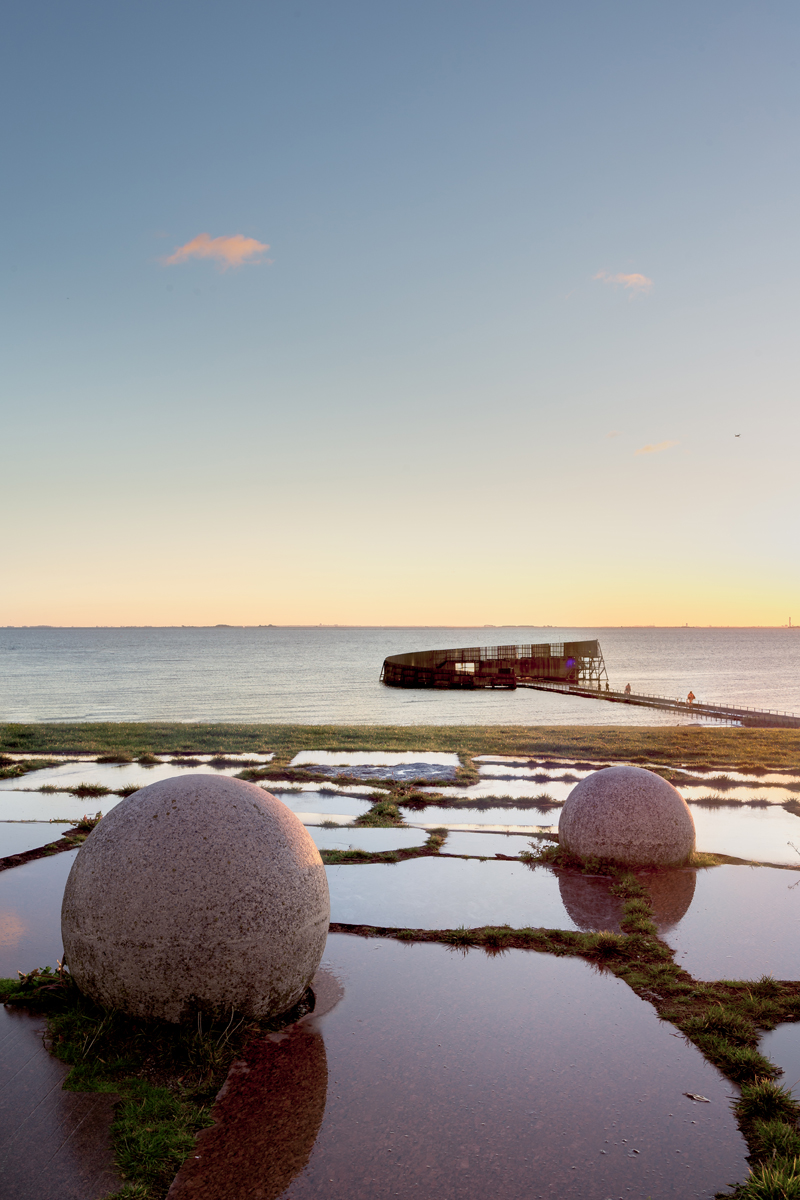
(196, 894)
(628, 815)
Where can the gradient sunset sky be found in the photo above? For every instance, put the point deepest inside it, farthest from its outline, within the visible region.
(400, 313)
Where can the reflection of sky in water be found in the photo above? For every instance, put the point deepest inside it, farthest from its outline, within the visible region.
(47, 806)
(434, 814)
(761, 834)
(736, 795)
(513, 789)
(486, 843)
(323, 802)
(107, 775)
(744, 922)
(430, 893)
(782, 1046)
(475, 1076)
(370, 758)
(17, 838)
(30, 913)
(373, 840)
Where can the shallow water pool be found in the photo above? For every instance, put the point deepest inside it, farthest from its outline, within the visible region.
(742, 923)
(437, 1074)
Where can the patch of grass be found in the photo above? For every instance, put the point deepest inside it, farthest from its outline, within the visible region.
(383, 814)
(166, 1075)
(345, 856)
(127, 790)
(776, 1180)
(719, 749)
(13, 770)
(436, 839)
(115, 756)
(89, 789)
(459, 937)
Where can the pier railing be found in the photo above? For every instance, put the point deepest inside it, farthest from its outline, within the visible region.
(573, 668)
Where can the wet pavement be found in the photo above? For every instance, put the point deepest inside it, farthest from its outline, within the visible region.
(375, 841)
(439, 1073)
(18, 836)
(770, 835)
(30, 913)
(109, 775)
(782, 1046)
(54, 1145)
(742, 923)
(443, 893)
(468, 1076)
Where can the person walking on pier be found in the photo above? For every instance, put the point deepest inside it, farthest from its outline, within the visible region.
(690, 699)
(627, 689)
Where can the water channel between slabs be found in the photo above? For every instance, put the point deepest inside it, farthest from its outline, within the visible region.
(467, 1076)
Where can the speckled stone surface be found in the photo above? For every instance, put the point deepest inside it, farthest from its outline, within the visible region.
(628, 815)
(196, 894)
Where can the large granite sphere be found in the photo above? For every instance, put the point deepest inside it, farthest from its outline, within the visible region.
(628, 815)
(196, 894)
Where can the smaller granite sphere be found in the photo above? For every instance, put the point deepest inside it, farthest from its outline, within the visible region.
(196, 894)
(628, 815)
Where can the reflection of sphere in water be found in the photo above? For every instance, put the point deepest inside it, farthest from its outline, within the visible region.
(672, 893)
(589, 902)
(267, 1118)
(627, 815)
(200, 893)
(591, 906)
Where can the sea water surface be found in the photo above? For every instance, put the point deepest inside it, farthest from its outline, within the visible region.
(330, 675)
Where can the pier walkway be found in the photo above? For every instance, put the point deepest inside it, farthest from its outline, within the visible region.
(572, 668)
(730, 714)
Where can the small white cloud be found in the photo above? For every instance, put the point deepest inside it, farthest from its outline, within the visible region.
(227, 251)
(656, 448)
(637, 285)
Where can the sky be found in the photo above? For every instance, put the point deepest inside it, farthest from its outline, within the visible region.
(400, 313)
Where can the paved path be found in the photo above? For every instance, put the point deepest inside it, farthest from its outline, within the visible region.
(54, 1145)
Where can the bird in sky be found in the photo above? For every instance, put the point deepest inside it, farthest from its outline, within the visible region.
(737, 435)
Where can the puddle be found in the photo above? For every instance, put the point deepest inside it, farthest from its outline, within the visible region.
(18, 836)
(782, 1046)
(46, 806)
(324, 802)
(504, 789)
(373, 840)
(541, 774)
(744, 922)
(30, 913)
(413, 771)
(434, 814)
(486, 843)
(443, 893)
(760, 834)
(107, 775)
(54, 1144)
(372, 764)
(372, 758)
(737, 795)
(523, 1076)
(590, 904)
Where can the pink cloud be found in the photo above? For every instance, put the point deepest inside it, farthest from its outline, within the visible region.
(637, 285)
(657, 448)
(227, 251)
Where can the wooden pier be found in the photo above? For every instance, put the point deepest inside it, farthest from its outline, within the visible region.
(727, 713)
(570, 668)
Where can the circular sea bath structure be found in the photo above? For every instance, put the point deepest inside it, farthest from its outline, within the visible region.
(200, 894)
(628, 815)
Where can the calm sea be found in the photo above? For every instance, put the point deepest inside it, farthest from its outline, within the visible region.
(330, 675)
